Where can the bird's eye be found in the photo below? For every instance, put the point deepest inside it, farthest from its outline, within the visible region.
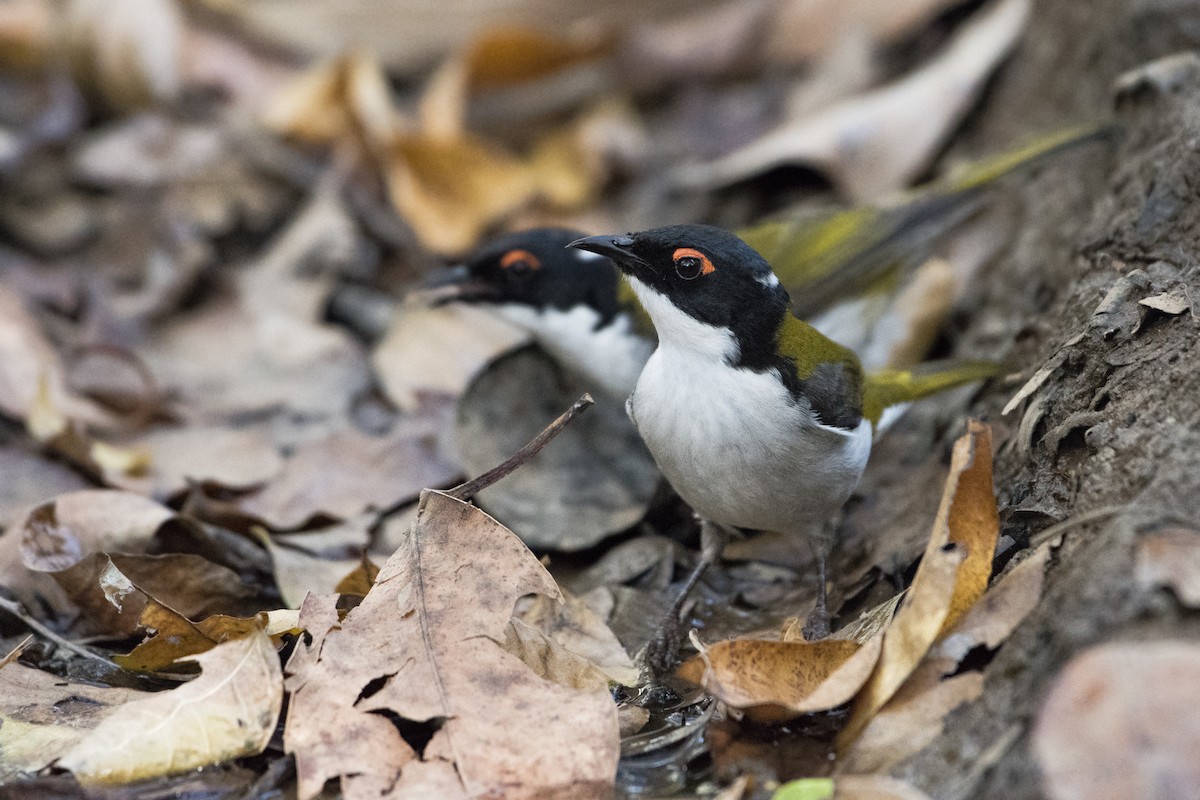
(519, 262)
(691, 264)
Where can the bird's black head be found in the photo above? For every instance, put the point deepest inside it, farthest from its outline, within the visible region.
(707, 273)
(537, 268)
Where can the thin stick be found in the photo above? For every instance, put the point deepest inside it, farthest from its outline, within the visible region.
(41, 630)
(1072, 522)
(465, 491)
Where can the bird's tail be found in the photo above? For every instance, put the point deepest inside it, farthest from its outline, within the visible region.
(892, 387)
(825, 256)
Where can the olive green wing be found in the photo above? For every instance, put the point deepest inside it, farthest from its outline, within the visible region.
(892, 387)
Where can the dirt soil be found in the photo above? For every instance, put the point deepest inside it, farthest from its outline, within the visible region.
(1113, 435)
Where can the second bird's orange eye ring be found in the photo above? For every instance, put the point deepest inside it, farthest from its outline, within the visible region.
(691, 263)
(519, 261)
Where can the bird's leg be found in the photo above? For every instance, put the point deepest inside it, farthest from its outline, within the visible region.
(817, 625)
(659, 655)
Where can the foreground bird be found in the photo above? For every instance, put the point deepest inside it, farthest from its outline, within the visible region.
(757, 420)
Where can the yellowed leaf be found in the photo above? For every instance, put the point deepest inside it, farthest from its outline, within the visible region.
(450, 190)
(424, 646)
(508, 55)
(343, 100)
(952, 575)
(775, 680)
(227, 712)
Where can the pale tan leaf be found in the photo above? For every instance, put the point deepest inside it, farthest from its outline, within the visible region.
(880, 141)
(424, 645)
(1171, 558)
(580, 630)
(227, 712)
(874, 787)
(43, 715)
(806, 29)
(438, 350)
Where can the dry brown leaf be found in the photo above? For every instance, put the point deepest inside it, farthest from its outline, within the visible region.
(914, 716)
(952, 575)
(424, 645)
(26, 34)
(508, 55)
(573, 625)
(31, 479)
(1171, 558)
(347, 473)
(125, 51)
(775, 680)
(345, 100)
(43, 715)
(228, 712)
(174, 637)
(227, 359)
(193, 586)
(178, 457)
(880, 141)
(438, 350)
(1120, 721)
(1173, 302)
(60, 533)
(450, 190)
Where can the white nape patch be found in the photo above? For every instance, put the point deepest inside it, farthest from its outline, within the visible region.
(770, 280)
(678, 329)
(610, 359)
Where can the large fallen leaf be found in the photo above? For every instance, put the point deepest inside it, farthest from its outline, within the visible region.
(953, 574)
(228, 712)
(424, 646)
(1120, 721)
(43, 715)
(880, 141)
(597, 479)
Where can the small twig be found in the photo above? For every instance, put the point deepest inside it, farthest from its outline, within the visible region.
(41, 630)
(15, 652)
(1059, 527)
(465, 491)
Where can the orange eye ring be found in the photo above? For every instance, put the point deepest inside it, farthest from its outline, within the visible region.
(691, 263)
(520, 260)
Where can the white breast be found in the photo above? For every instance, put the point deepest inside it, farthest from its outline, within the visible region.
(734, 443)
(610, 358)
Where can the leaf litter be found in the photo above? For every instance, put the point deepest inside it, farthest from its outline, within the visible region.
(262, 449)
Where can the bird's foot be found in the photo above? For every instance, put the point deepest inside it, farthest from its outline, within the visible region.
(660, 654)
(816, 626)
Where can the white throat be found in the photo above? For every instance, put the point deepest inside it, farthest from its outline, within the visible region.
(678, 330)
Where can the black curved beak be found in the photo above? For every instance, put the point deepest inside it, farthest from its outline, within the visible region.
(614, 247)
(455, 285)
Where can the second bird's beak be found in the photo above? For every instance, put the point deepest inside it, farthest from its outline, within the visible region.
(455, 284)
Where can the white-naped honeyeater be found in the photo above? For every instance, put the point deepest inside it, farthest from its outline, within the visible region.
(756, 419)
